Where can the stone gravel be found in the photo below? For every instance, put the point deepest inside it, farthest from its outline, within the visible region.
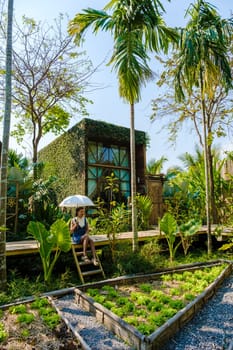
(93, 333)
(212, 327)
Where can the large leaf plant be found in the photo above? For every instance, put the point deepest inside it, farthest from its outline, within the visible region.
(51, 243)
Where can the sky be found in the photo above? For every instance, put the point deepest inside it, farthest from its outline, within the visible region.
(107, 106)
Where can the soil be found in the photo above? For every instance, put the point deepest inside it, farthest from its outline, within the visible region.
(36, 335)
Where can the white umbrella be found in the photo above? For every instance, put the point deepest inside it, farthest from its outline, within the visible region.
(76, 200)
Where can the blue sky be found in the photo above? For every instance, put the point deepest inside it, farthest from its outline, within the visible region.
(107, 106)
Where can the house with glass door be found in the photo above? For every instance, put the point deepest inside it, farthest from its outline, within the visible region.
(89, 153)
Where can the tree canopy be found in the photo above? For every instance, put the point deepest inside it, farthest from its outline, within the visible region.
(49, 79)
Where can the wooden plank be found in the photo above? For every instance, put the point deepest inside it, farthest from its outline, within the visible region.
(31, 246)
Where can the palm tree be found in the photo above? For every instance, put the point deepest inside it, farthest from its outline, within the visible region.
(5, 146)
(155, 166)
(202, 60)
(137, 28)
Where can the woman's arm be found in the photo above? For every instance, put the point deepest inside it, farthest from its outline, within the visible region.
(73, 225)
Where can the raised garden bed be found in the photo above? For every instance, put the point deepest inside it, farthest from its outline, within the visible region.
(34, 325)
(126, 286)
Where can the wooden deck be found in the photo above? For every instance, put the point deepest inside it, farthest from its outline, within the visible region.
(31, 246)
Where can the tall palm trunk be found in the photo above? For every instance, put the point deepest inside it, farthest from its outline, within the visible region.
(207, 168)
(214, 210)
(5, 147)
(133, 178)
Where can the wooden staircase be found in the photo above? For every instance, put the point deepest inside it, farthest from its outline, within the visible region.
(86, 268)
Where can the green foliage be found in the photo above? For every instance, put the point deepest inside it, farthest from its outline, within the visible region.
(154, 306)
(119, 219)
(168, 226)
(39, 303)
(43, 201)
(112, 223)
(168, 312)
(45, 311)
(51, 243)
(18, 309)
(144, 208)
(59, 87)
(3, 332)
(25, 333)
(189, 296)
(25, 318)
(227, 246)
(112, 187)
(151, 252)
(51, 320)
(176, 304)
(155, 166)
(145, 287)
(128, 262)
(111, 292)
(111, 132)
(149, 305)
(157, 320)
(187, 231)
(92, 291)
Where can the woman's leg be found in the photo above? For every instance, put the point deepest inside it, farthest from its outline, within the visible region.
(92, 245)
(84, 242)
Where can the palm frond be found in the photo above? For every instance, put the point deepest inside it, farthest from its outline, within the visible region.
(99, 20)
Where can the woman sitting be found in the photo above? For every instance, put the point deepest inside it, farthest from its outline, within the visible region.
(79, 230)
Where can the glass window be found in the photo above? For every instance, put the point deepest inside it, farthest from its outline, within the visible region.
(124, 157)
(99, 157)
(92, 153)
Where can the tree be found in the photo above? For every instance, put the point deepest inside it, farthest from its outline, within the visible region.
(49, 78)
(137, 28)
(188, 113)
(5, 146)
(184, 190)
(201, 62)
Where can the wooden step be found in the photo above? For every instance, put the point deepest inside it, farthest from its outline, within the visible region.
(92, 272)
(82, 264)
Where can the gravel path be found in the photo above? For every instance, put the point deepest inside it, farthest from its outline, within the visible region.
(212, 327)
(93, 334)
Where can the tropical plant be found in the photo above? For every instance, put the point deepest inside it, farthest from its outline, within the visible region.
(137, 27)
(112, 187)
(51, 243)
(168, 226)
(202, 61)
(43, 201)
(184, 189)
(187, 232)
(155, 166)
(5, 144)
(144, 209)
